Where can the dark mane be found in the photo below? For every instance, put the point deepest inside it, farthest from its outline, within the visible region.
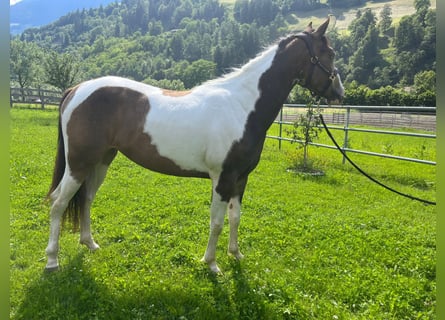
(284, 42)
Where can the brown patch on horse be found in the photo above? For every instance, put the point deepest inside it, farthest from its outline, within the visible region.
(174, 93)
(110, 119)
(274, 85)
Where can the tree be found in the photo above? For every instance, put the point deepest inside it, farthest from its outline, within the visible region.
(425, 81)
(25, 62)
(415, 45)
(198, 72)
(176, 46)
(408, 34)
(366, 58)
(359, 27)
(62, 70)
(422, 7)
(306, 130)
(385, 19)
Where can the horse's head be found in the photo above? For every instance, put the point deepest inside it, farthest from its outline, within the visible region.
(312, 62)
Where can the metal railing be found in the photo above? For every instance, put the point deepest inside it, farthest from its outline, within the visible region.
(422, 118)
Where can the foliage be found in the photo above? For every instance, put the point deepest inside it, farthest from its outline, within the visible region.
(421, 94)
(376, 56)
(193, 41)
(23, 68)
(331, 247)
(306, 130)
(362, 95)
(385, 23)
(425, 81)
(62, 70)
(166, 84)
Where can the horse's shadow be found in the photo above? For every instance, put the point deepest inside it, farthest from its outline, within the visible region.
(241, 302)
(74, 293)
(65, 292)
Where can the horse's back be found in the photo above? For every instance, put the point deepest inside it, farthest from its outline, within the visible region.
(194, 130)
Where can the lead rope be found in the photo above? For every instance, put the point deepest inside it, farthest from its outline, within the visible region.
(367, 175)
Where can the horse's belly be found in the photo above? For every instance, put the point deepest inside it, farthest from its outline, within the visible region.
(193, 143)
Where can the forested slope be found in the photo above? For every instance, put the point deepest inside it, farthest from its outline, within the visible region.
(181, 43)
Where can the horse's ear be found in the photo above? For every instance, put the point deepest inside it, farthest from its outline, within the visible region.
(309, 28)
(321, 30)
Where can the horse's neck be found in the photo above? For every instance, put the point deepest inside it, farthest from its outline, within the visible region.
(260, 87)
(245, 80)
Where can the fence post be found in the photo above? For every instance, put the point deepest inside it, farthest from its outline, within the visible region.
(346, 129)
(22, 92)
(281, 128)
(41, 97)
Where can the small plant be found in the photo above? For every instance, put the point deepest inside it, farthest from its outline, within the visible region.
(421, 152)
(305, 130)
(388, 148)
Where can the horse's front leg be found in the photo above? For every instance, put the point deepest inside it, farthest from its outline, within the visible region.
(234, 221)
(217, 212)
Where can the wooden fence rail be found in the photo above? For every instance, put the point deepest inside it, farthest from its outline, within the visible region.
(34, 96)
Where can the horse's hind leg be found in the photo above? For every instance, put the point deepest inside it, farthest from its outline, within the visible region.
(60, 197)
(92, 184)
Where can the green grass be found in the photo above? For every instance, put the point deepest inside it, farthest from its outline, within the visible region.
(331, 247)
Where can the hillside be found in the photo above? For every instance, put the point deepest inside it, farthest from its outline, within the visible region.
(182, 43)
(28, 13)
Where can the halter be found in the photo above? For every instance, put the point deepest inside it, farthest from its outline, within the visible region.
(315, 61)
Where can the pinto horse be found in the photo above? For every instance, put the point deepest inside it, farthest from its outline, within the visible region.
(216, 130)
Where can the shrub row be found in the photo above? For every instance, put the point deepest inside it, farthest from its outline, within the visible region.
(388, 96)
(364, 96)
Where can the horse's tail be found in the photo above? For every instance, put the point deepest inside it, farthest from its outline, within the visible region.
(73, 210)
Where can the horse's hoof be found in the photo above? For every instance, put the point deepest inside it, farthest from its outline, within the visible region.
(93, 246)
(237, 255)
(51, 269)
(212, 266)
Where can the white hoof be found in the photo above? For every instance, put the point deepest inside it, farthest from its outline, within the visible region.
(238, 255)
(52, 267)
(212, 266)
(93, 246)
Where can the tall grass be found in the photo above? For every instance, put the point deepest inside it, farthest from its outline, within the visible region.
(330, 247)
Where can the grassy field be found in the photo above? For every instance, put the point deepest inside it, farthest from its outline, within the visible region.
(329, 247)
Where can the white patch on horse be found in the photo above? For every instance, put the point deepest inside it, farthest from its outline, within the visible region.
(197, 130)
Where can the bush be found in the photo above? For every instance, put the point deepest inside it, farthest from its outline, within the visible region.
(387, 96)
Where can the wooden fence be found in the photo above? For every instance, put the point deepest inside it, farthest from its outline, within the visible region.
(34, 97)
